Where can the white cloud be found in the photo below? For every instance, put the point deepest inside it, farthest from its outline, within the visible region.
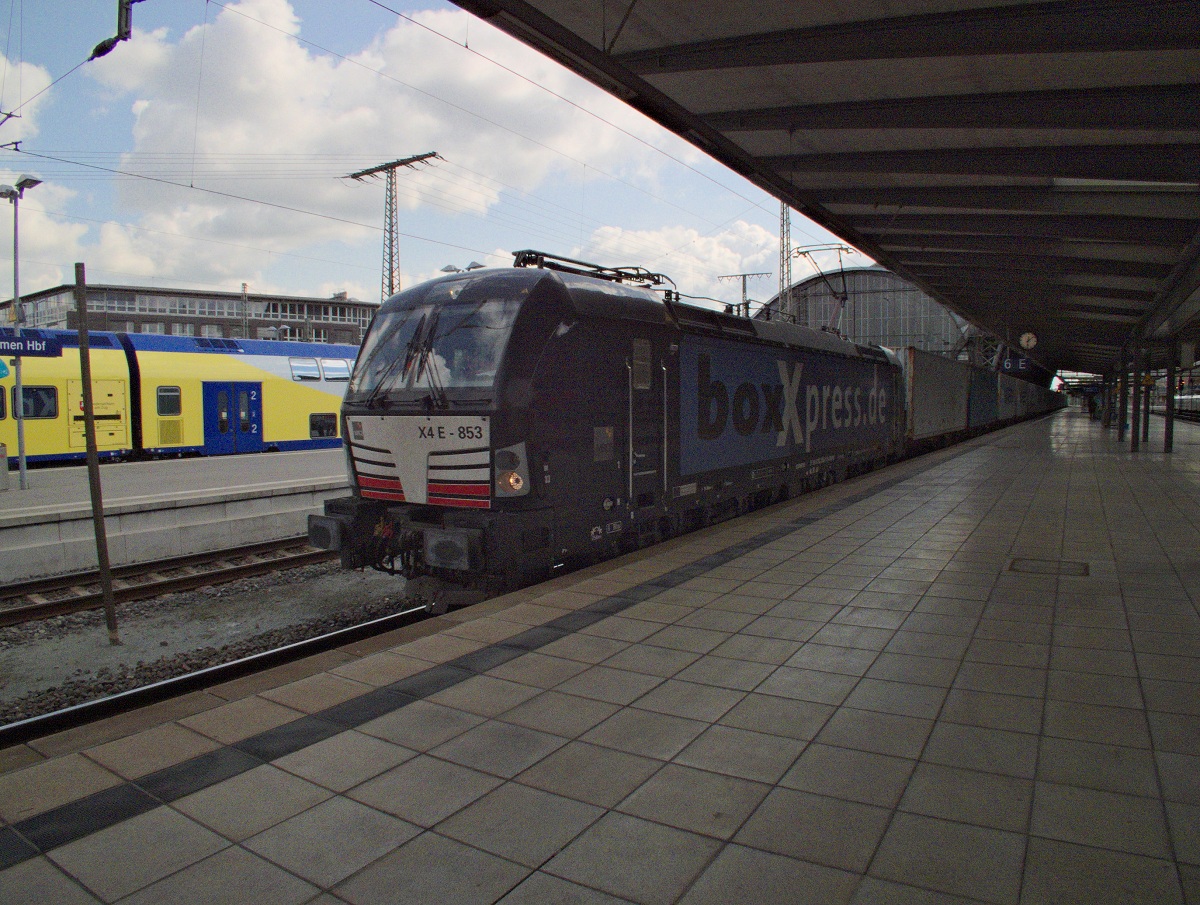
(695, 261)
(22, 93)
(243, 108)
(49, 245)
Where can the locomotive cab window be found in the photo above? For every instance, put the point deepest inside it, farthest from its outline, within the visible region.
(40, 402)
(304, 369)
(322, 424)
(451, 338)
(642, 364)
(170, 402)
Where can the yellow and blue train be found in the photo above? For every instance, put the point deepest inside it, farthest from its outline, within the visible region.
(156, 396)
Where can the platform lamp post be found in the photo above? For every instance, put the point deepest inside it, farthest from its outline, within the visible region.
(14, 194)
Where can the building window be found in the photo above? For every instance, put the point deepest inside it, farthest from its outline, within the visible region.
(211, 331)
(40, 402)
(322, 424)
(170, 401)
(151, 327)
(183, 329)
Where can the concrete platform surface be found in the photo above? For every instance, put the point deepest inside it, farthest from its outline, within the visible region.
(974, 677)
(162, 509)
(63, 492)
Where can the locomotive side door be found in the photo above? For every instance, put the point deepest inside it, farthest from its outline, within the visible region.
(232, 418)
(645, 427)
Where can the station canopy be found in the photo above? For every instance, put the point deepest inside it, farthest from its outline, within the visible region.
(1032, 166)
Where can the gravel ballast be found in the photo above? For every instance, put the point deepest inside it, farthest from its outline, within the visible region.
(61, 662)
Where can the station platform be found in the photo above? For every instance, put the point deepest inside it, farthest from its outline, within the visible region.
(161, 509)
(972, 677)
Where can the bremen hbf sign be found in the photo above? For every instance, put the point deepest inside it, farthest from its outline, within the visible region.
(27, 345)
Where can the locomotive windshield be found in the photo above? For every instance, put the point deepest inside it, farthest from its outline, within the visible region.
(447, 340)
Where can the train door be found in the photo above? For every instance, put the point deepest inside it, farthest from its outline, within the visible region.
(232, 418)
(646, 434)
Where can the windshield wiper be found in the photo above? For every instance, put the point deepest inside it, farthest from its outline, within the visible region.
(384, 383)
(428, 363)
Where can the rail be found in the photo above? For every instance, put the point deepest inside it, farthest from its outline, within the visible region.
(61, 595)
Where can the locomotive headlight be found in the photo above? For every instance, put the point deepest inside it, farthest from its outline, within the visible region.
(512, 471)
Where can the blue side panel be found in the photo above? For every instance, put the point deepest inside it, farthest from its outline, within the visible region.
(173, 451)
(157, 342)
(983, 407)
(741, 404)
(317, 443)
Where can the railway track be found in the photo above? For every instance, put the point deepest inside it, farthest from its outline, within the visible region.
(1192, 416)
(59, 596)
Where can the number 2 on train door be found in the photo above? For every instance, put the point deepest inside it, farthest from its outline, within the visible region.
(232, 417)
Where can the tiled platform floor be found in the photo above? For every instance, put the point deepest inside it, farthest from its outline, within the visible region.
(971, 678)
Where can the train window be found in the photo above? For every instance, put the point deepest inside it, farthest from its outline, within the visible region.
(304, 369)
(170, 401)
(602, 444)
(322, 424)
(642, 364)
(3, 407)
(335, 368)
(39, 402)
(243, 411)
(223, 411)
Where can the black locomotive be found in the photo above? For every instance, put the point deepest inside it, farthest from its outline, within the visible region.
(504, 424)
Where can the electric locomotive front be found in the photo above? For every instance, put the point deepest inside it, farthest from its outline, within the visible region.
(436, 423)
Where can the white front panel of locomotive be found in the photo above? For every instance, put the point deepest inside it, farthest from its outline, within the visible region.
(411, 441)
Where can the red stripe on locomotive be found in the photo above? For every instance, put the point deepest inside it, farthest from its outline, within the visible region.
(459, 489)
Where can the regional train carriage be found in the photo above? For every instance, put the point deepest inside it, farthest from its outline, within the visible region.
(1187, 406)
(53, 392)
(220, 396)
(160, 395)
(503, 424)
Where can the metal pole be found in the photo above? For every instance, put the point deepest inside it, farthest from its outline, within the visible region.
(1122, 397)
(1148, 390)
(1169, 419)
(93, 458)
(1135, 421)
(629, 370)
(20, 400)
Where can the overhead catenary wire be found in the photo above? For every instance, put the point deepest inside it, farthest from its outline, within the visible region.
(526, 211)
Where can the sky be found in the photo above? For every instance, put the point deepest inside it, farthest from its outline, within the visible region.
(212, 149)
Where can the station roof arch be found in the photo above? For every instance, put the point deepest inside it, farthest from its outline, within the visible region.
(1034, 166)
